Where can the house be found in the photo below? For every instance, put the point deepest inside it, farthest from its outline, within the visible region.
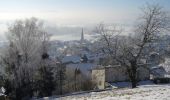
(158, 71)
(159, 75)
(101, 74)
(78, 76)
(84, 69)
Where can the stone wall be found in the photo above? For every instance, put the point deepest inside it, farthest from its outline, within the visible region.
(116, 74)
(119, 73)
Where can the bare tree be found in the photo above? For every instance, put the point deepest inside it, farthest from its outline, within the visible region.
(129, 50)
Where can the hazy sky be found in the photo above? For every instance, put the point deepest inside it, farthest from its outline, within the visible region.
(73, 13)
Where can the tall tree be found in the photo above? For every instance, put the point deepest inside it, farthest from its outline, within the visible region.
(129, 50)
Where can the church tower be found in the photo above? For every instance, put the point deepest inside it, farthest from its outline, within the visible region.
(82, 36)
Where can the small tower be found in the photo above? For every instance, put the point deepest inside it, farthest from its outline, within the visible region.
(82, 36)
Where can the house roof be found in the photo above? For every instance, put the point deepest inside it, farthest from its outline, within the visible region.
(71, 59)
(85, 68)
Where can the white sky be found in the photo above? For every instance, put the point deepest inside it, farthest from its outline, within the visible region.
(77, 13)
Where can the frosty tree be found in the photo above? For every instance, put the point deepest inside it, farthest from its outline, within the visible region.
(28, 42)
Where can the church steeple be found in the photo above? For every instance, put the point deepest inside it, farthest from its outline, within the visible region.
(82, 36)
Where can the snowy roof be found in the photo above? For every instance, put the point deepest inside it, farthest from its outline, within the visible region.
(99, 67)
(154, 53)
(162, 69)
(73, 59)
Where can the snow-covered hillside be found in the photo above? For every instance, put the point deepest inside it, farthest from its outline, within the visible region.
(148, 92)
(143, 92)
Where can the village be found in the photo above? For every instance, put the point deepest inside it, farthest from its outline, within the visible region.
(85, 50)
(103, 79)
(90, 67)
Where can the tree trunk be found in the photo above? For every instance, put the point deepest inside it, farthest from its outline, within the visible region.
(61, 83)
(133, 73)
(134, 83)
(75, 79)
(18, 94)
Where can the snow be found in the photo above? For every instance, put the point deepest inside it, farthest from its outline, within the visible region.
(166, 65)
(146, 91)
(1, 94)
(2, 90)
(121, 84)
(128, 84)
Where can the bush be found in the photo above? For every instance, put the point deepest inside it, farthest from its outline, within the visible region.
(161, 80)
(88, 85)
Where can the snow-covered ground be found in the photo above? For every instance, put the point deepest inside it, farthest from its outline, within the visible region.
(146, 91)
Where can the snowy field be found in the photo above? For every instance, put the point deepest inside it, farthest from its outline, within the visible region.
(146, 91)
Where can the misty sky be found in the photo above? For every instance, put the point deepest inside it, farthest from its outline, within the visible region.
(66, 17)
